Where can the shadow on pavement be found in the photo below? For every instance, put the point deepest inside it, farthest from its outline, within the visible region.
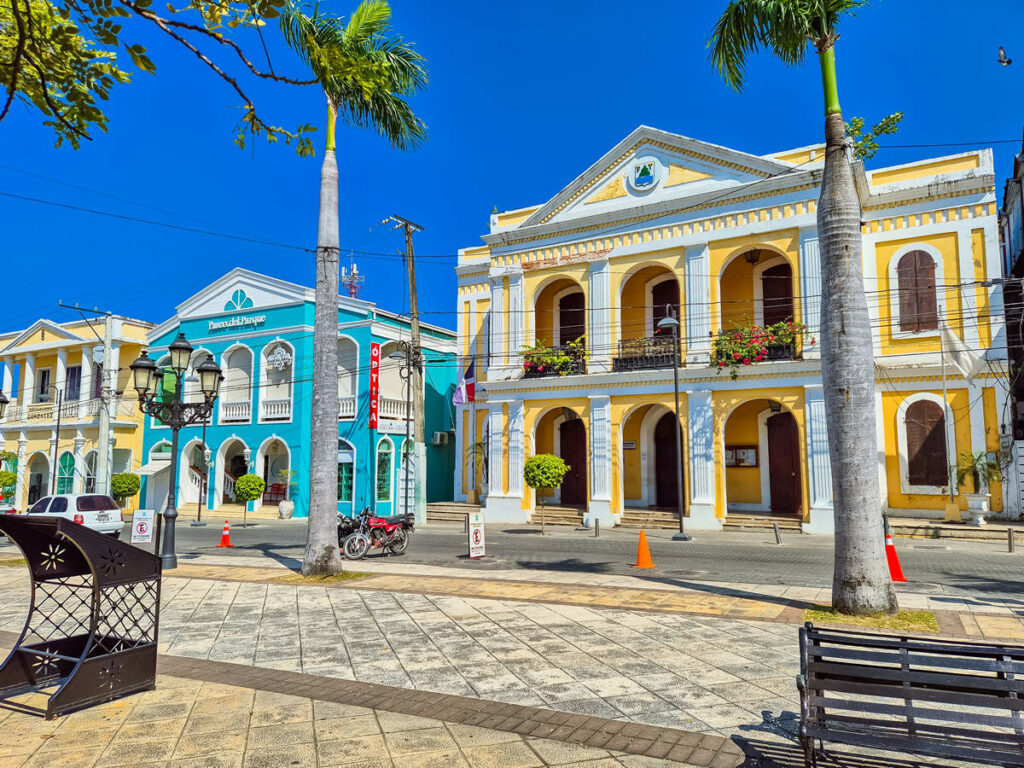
(269, 550)
(728, 591)
(768, 754)
(575, 565)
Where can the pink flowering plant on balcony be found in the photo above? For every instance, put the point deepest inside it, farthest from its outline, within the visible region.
(747, 345)
(542, 360)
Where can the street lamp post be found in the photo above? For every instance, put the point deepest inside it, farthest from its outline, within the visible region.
(666, 323)
(176, 414)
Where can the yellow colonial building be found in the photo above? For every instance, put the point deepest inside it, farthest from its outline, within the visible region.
(86, 365)
(560, 309)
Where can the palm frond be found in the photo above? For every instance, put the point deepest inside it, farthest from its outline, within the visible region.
(372, 17)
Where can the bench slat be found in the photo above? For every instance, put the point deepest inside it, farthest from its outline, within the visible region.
(826, 670)
(927, 645)
(917, 659)
(973, 699)
(923, 731)
(833, 705)
(991, 753)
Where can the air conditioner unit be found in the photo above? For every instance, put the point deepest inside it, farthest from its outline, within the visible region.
(440, 438)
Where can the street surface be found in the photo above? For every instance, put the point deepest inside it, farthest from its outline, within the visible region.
(954, 567)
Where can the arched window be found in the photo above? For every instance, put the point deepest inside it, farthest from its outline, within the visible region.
(66, 473)
(90, 472)
(348, 377)
(346, 465)
(915, 274)
(236, 391)
(927, 462)
(276, 385)
(384, 451)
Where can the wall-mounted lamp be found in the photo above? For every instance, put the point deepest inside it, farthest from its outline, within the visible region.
(752, 256)
(775, 406)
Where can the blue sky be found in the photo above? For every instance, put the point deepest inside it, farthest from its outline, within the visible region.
(523, 97)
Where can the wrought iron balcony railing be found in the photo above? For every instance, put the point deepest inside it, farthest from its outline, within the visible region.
(564, 360)
(646, 354)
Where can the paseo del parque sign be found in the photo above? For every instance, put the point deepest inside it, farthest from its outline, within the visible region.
(239, 321)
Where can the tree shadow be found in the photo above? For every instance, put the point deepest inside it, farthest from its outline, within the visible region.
(574, 565)
(269, 550)
(725, 591)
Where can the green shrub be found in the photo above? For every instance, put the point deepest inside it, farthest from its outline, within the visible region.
(544, 471)
(7, 482)
(124, 485)
(249, 488)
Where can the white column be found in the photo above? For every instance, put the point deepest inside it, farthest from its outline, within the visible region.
(60, 375)
(28, 380)
(996, 311)
(698, 305)
(599, 334)
(810, 271)
(495, 326)
(702, 464)
(54, 439)
(87, 384)
(819, 467)
(599, 506)
(78, 485)
(7, 380)
(516, 450)
(20, 495)
(495, 459)
(516, 320)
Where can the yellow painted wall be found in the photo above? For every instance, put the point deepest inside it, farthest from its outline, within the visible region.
(743, 484)
(784, 242)
(803, 155)
(737, 287)
(541, 415)
(511, 218)
(544, 307)
(920, 170)
(482, 305)
(981, 293)
(946, 244)
(465, 328)
(634, 303)
(628, 292)
(632, 485)
(724, 402)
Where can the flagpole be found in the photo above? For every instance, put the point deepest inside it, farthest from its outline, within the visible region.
(945, 407)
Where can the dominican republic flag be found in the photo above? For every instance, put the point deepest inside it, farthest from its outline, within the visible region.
(465, 392)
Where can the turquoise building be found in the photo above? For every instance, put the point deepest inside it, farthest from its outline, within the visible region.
(260, 331)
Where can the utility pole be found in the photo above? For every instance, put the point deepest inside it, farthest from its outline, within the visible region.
(106, 402)
(415, 373)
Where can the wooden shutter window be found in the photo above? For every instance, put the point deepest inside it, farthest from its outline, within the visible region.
(915, 274)
(926, 444)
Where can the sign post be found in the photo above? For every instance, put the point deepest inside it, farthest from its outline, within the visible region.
(374, 383)
(477, 546)
(142, 526)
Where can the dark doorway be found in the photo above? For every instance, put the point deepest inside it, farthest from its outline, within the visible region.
(664, 294)
(666, 482)
(777, 290)
(238, 466)
(573, 439)
(784, 464)
(571, 318)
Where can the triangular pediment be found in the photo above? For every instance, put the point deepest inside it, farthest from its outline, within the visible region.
(39, 333)
(652, 166)
(242, 291)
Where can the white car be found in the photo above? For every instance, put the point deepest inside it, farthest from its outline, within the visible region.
(7, 509)
(92, 510)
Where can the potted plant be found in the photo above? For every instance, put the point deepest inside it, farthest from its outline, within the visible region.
(286, 507)
(544, 472)
(476, 461)
(748, 345)
(981, 469)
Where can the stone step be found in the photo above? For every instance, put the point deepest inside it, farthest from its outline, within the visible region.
(558, 516)
(741, 521)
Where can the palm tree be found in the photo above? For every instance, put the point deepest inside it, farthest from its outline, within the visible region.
(366, 72)
(860, 583)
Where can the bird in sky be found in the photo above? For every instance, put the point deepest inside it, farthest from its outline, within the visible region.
(1002, 58)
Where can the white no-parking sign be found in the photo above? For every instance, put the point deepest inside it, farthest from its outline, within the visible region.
(142, 526)
(477, 546)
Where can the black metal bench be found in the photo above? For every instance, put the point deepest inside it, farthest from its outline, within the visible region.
(928, 696)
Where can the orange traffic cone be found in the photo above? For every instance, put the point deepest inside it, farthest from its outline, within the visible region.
(895, 571)
(225, 538)
(643, 553)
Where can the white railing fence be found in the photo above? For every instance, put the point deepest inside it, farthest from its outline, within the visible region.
(231, 413)
(346, 407)
(276, 410)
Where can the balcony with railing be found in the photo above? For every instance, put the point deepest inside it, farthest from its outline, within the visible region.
(70, 410)
(346, 407)
(390, 408)
(563, 360)
(236, 412)
(646, 354)
(276, 410)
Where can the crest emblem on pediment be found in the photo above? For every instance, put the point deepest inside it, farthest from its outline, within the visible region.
(644, 174)
(239, 300)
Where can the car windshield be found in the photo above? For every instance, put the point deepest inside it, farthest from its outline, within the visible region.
(95, 503)
(39, 507)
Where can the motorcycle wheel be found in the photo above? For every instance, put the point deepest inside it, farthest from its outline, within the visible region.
(400, 543)
(356, 546)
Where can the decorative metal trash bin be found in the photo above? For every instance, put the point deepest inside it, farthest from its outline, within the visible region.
(91, 631)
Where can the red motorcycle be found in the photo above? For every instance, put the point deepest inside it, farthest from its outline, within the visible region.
(371, 532)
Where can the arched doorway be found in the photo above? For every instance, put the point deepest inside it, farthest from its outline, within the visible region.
(666, 461)
(38, 478)
(563, 433)
(233, 462)
(763, 471)
(777, 293)
(273, 464)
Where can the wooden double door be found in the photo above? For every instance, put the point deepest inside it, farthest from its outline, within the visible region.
(784, 464)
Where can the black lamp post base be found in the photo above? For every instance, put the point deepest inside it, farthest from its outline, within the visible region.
(681, 537)
(197, 524)
(168, 562)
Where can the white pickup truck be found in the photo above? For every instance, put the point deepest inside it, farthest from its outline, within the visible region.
(92, 510)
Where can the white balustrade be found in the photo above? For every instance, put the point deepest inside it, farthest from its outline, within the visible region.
(233, 413)
(229, 486)
(346, 408)
(69, 410)
(276, 410)
(389, 408)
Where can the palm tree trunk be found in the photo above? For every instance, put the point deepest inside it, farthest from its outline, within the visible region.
(861, 582)
(322, 555)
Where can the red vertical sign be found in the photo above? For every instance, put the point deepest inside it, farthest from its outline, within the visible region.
(374, 382)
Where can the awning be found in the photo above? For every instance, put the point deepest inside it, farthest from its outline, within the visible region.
(155, 467)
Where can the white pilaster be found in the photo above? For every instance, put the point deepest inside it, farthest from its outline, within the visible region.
(599, 334)
(996, 311)
(7, 380)
(516, 320)
(79, 481)
(499, 506)
(702, 464)
(698, 305)
(599, 506)
(28, 380)
(110, 377)
(810, 271)
(969, 292)
(516, 449)
(20, 495)
(495, 459)
(497, 342)
(60, 375)
(819, 468)
(87, 384)
(977, 417)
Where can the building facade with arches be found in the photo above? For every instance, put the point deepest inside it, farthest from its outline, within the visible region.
(51, 360)
(260, 332)
(561, 310)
